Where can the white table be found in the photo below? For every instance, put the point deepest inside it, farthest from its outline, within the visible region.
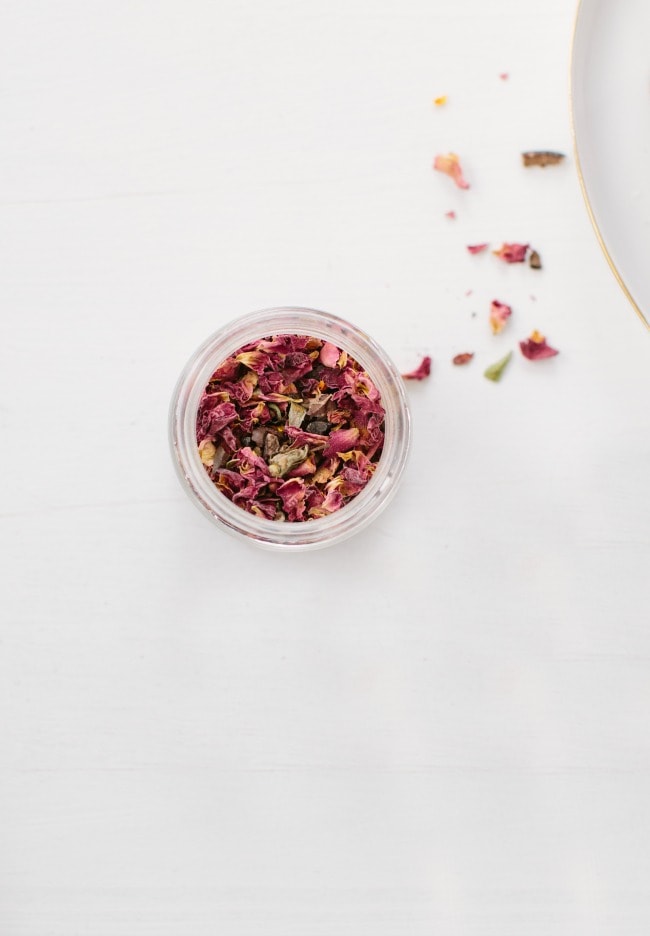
(439, 726)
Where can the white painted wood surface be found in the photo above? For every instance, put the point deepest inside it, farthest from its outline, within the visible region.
(440, 726)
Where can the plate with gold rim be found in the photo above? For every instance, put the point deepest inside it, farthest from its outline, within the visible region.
(610, 103)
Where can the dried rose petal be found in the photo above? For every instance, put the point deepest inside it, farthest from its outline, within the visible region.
(535, 348)
(463, 358)
(476, 249)
(495, 371)
(341, 441)
(450, 214)
(292, 495)
(450, 165)
(541, 158)
(420, 372)
(499, 315)
(254, 360)
(504, 76)
(512, 253)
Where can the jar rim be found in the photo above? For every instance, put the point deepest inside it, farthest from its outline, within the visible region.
(318, 532)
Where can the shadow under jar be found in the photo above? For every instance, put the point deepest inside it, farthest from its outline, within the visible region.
(276, 534)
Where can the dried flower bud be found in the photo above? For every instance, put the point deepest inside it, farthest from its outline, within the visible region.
(285, 461)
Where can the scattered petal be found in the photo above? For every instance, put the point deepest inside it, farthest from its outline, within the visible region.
(451, 215)
(477, 248)
(420, 372)
(541, 158)
(462, 359)
(469, 292)
(504, 76)
(440, 101)
(512, 253)
(450, 165)
(535, 348)
(495, 371)
(535, 261)
(499, 315)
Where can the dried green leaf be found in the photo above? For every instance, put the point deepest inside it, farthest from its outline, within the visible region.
(495, 371)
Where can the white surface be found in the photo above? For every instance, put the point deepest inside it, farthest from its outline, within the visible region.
(611, 82)
(442, 725)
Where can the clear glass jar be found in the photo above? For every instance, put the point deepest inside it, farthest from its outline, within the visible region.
(289, 536)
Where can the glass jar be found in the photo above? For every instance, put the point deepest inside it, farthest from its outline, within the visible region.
(310, 534)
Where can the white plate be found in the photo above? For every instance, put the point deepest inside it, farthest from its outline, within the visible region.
(610, 84)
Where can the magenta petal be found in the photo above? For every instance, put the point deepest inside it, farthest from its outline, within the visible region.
(341, 441)
(420, 372)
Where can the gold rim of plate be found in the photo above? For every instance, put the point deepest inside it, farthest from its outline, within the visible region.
(583, 184)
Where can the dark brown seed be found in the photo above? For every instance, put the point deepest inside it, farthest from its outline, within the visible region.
(318, 427)
(535, 260)
(541, 158)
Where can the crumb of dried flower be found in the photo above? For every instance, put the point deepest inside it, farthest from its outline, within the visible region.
(499, 315)
(420, 372)
(450, 214)
(511, 253)
(450, 165)
(477, 248)
(462, 359)
(504, 76)
(535, 261)
(440, 101)
(495, 371)
(541, 158)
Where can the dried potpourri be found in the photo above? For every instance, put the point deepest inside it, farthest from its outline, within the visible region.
(290, 427)
(477, 248)
(423, 370)
(535, 348)
(535, 261)
(541, 158)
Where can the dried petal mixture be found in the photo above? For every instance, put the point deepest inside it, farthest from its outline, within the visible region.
(290, 427)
